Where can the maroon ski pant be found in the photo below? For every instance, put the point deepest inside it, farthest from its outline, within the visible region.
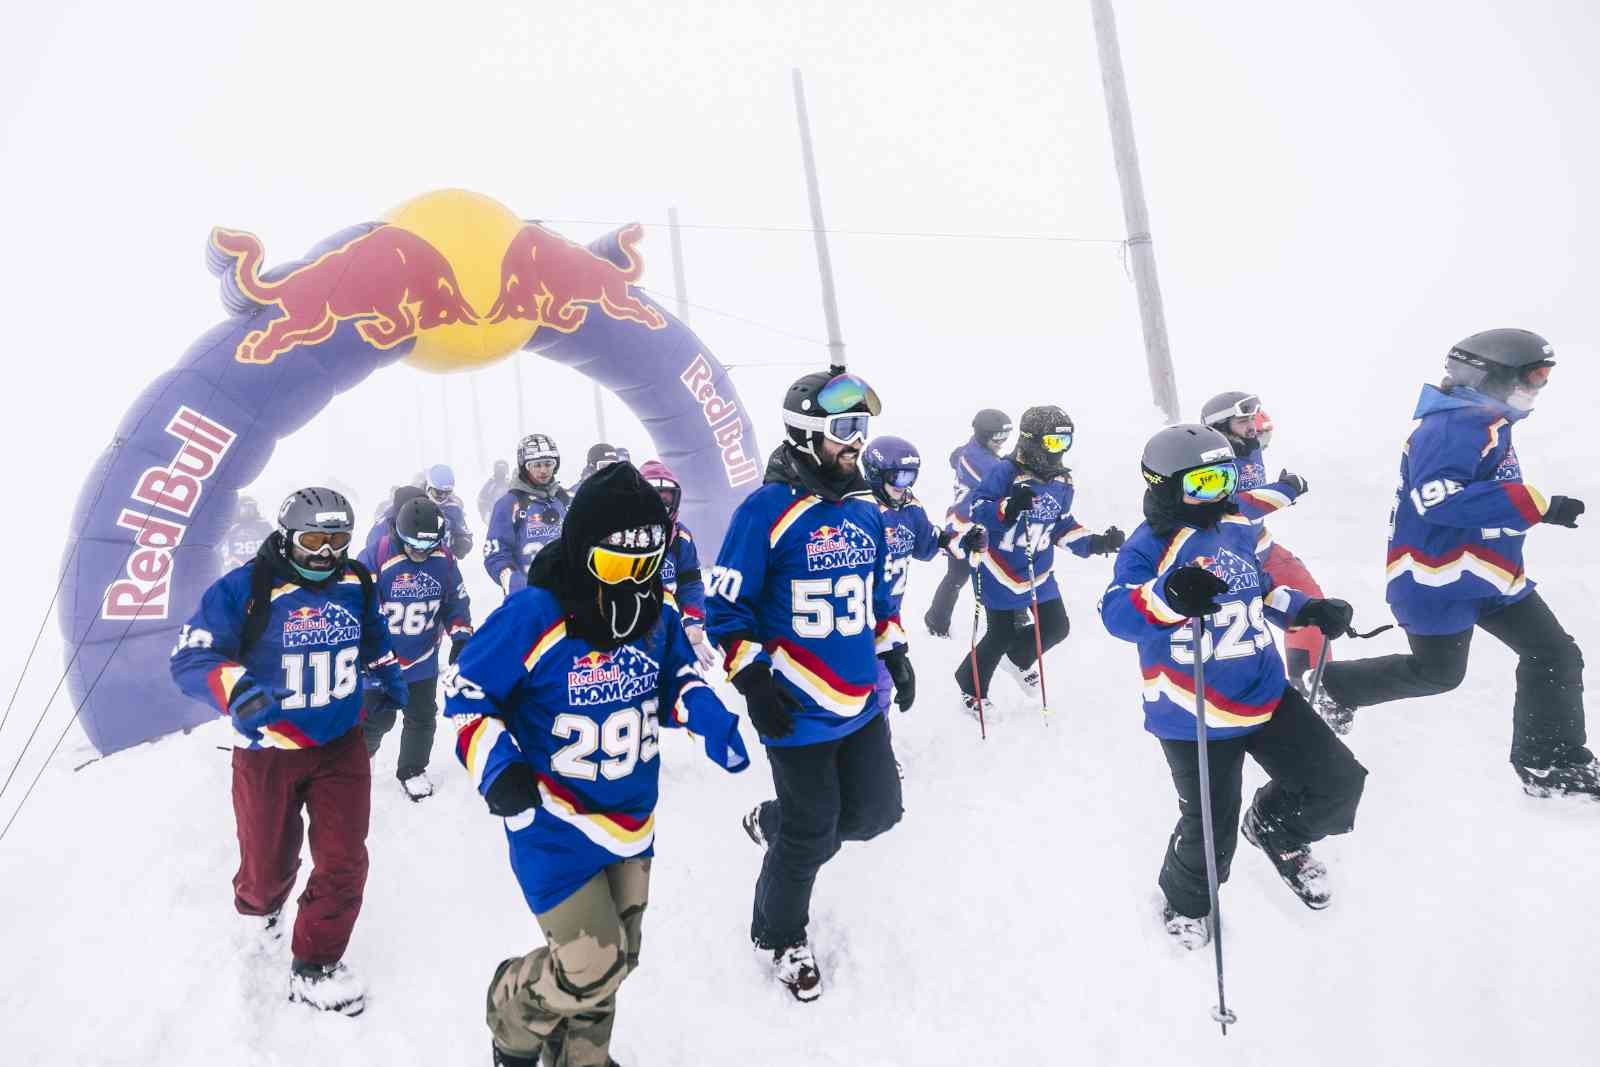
(333, 782)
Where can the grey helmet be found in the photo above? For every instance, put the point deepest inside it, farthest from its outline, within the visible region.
(536, 447)
(1181, 448)
(1494, 361)
(322, 511)
(1220, 409)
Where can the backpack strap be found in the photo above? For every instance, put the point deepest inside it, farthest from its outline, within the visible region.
(368, 589)
(258, 608)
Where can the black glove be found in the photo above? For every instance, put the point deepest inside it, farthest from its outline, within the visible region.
(1020, 500)
(1104, 544)
(769, 705)
(515, 791)
(456, 645)
(1295, 482)
(1563, 511)
(1332, 617)
(1192, 591)
(974, 541)
(898, 664)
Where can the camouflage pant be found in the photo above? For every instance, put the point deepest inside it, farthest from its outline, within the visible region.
(560, 1000)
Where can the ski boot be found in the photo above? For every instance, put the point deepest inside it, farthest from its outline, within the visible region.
(970, 704)
(327, 987)
(418, 787)
(1190, 933)
(796, 969)
(261, 933)
(752, 826)
(1300, 871)
(1025, 677)
(1339, 717)
(1566, 780)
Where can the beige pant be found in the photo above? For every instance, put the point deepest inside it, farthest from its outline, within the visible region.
(560, 1000)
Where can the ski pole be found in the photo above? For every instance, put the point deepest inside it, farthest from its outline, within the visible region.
(1316, 676)
(1197, 631)
(1038, 641)
(977, 612)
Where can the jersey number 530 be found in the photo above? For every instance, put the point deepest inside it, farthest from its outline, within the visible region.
(815, 614)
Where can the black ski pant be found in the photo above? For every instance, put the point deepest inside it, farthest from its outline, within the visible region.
(416, 735)
(957, 576)
(1010, 633)
(828, 793)
(1547, 716)
(1315, 785)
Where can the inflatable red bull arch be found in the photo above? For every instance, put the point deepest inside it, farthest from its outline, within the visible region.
(448, 281)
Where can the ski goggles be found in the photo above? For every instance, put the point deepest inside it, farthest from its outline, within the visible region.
(437, 494)
(1056, 442)
(671, 493)
(847, 402)
(1243, 408)
(613, 565)
(900, 477)
(316, 540)
(422, 544)
(1535, 376)
(1206, 485)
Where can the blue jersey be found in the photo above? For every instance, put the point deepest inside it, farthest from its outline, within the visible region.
(586, 720)
(421, 602)
(1460, 514)
(972, 463)
(524, 521)
(680, 573)
(1257, 498)
(800, 586)
(243, 541)
(316, 643)
(1244, 674)
(908, 535)
(455, 517)
(1046, 526)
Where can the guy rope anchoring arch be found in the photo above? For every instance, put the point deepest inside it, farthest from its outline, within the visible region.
(448, 281)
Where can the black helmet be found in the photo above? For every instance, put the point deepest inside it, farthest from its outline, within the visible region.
(403, 493)
(1498, 363)
(1181, 448)
(317, 524)
(832, 404)
(536, 447)
(601, 455)
(991, 423)
(420, 524)
(1042, 439)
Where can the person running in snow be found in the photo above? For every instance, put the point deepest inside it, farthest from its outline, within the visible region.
(423, 596)
(680, 571)
(441, 489)
(892, 465)
(1461, 517)
(1024, 506)
(1244, 422)
(244, 537)
(279, 645)
(528, 517)
(972, 462)
(1194, 556)
(493, 489)
(557, 702)
(797, 585)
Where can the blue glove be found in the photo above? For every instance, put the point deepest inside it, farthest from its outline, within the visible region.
(395, 693)
(254, 707)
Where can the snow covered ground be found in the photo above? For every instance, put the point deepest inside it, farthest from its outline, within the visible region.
(1010, 918)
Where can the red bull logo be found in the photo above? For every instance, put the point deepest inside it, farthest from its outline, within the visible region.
(305, 614)
(723, 417)
(551, 281)
(391, 282)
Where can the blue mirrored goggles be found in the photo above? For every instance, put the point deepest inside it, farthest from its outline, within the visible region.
(420, 544)
(848, 393)
(900, 477)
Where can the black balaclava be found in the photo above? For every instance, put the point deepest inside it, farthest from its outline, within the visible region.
(1165, 509)
(615, 498)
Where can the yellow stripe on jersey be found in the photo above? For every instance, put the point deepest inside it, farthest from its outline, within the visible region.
(790, 516)
(547, 640)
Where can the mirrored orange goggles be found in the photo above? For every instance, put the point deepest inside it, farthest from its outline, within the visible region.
(613, 565)
(316, 540)
(1207, 484)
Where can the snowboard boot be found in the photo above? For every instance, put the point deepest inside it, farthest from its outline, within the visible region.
(1561, 780)
(417, 787)
(262, 933)
(1339, 717)
(327, 987)
(1190, 933)
(752, 826)
(1299, 870)
(796, 969)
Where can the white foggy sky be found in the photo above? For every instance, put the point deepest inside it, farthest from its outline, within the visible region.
(1336, 193)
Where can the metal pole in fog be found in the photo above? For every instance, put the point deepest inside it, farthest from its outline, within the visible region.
(830, 308)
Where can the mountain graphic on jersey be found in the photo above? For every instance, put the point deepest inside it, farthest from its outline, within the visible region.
(1251, 474)
(329, 624)
(902, 540)
(415, 585)
(1240, 573)
(846, 546)
(1510, 468)
(608, 677)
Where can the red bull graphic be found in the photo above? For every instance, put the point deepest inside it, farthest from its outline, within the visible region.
(390, 281)
(447, 281)
(552, 281)
(611, 677)
(847, 545)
